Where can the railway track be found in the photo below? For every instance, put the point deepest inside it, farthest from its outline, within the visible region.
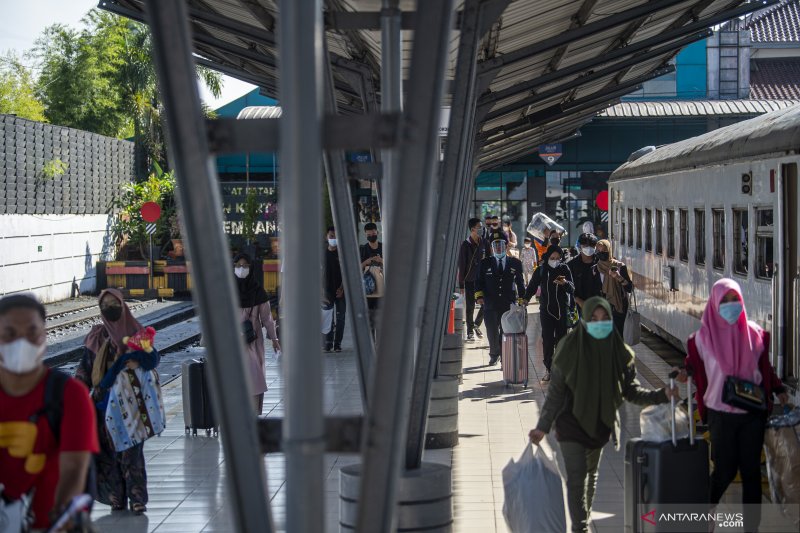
(64, 353)
(68, 322)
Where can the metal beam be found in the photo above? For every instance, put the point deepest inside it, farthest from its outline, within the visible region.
(387, 418)
(593, 76)
(578, 20)
(391, 102)
(697, 28)
(492, 10)
(260, 13)
(445, 234)
(544, 115)
(201, 203)
(349, 255)
(230, 136)
(589, 76)
(642, 10)
(364, 20)
(300, 93)
(342, 434)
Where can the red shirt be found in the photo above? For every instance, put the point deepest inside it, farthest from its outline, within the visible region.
(29, 453)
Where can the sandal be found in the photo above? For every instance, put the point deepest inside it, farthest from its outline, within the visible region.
(138, 508)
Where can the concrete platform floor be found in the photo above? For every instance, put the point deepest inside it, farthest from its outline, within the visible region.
(186, 474)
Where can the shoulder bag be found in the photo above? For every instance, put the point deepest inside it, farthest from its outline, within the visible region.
(633, 324)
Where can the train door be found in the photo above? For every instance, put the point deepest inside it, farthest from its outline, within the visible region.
(791, 272)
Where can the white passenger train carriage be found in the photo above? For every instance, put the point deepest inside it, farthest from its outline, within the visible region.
(723, 204)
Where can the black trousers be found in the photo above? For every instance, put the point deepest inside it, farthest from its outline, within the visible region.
(553, 329)
(469, 294)
(334, 336)
(619, 321)
(494, 328)
(736, 442)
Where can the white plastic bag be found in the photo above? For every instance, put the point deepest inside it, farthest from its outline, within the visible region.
(515, 319)
(327, 319)
(655, 423)
(534, 494)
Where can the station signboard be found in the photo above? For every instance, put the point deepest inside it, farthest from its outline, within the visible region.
(550, 152)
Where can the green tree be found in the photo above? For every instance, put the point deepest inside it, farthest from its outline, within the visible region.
(111, 60)
(17, 90)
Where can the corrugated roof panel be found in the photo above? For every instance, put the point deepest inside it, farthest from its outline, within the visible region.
(632, 109)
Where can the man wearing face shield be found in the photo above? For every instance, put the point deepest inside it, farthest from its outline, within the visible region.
(499, 284)
(34, 456)
(585, 274)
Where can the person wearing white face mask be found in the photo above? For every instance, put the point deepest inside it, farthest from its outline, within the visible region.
(729, 348)
(333, 288)
(34, 455)
(256, 315)
(499, 284)
(593, 373)
(585, 273)
(555, 280)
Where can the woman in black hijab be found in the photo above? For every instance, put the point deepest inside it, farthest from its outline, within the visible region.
(555, 280)
(255, 308)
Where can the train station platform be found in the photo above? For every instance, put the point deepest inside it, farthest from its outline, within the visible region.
(186, 474)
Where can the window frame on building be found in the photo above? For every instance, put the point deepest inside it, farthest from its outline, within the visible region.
(764, 243)
(741, 256)
(683, 228)
(700, 236)
(622, 227)
(639, 229)
(670, 233)
(718, 238)
(631, 228)
(659, 230)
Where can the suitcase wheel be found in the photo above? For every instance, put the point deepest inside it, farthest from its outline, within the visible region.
(187, 430)
(208, 433)
(525, 385)
(194, 432)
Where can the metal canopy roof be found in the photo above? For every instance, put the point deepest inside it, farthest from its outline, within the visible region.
(545, 67)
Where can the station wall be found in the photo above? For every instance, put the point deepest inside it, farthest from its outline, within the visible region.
(48, 255)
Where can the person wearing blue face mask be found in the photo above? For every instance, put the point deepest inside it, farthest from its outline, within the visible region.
(730, 347)
(593, 372)
(498, 285)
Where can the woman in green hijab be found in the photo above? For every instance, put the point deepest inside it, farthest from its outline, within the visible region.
(593, 372)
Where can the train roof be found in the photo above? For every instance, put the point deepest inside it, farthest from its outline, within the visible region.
(775, 132)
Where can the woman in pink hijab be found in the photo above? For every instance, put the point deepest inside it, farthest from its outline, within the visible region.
(728, 344)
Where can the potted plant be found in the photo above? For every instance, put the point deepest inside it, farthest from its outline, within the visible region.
(128, 229)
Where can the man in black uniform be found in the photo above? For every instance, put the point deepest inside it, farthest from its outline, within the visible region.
(585, 274)
(499, 284)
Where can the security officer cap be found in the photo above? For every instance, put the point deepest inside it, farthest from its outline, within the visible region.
(499, 236)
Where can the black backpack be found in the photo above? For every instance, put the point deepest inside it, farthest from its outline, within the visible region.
(53, 411)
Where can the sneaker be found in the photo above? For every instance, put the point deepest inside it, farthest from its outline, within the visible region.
(478, 333)
(327, 349)
(337, 348)
(546, 376)
(493, 360)
(470, 337)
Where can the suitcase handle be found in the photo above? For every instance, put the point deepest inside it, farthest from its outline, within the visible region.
(673, 403)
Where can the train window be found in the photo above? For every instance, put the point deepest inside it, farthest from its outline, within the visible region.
(741, 240)
(684, 229)
(630, 227)
(764, 241)
(639, 228)
(659, 231)
(718, 235)
(648, 230)
(670, 233)
(700, 236)
(622, 233)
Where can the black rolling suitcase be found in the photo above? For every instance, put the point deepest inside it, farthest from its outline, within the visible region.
(197, 412)
(672, 473)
